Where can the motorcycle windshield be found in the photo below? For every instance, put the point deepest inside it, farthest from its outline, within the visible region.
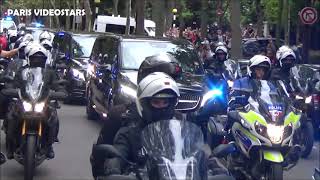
(33, 88)
(268, 102)
(174, 148)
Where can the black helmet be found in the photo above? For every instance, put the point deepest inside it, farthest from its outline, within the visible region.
(159, 63)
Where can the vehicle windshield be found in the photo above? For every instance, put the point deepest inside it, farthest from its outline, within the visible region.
(175, 147)
(82, 46)
(267, 101)
(134, 53)
(33, 88)
(10, 25)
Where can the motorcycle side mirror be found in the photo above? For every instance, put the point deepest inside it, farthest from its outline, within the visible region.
(57, 95)
(106, 151)
(2, 158)
(11, 92)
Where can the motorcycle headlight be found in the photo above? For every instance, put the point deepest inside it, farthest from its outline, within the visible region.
(275, 133)
(79, 75)
(211, 94)
(298, 97)
(27, 106)
(39, 107)
(308, 99)
(261, 129)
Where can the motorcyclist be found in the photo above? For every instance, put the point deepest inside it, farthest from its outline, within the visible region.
(37, 57)
(220, 66)
(258, 69)
(284, 71)
(157, 97)
(12, 39)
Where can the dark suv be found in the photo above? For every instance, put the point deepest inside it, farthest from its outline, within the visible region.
(70, 55)
(114, 64)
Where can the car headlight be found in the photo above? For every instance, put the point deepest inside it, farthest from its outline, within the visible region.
(211, 94)
(27, 106)
(299, 97)
(39, 107)
(79, 75)
(308, 100)
(275, 133)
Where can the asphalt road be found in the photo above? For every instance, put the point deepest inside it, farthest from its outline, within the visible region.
(72, 155)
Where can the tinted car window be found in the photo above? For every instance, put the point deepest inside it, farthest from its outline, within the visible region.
(82, 46)
(108, 46)
(134, 52)
(118, 29)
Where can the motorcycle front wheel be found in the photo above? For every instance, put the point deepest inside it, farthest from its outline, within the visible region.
(29, 157)
(274, 172)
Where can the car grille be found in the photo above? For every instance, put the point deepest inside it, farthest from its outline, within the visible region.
(188, 102)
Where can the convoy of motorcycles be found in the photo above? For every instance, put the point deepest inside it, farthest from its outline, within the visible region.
(268, 135)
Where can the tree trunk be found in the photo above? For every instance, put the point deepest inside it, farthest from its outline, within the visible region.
(74, 17)
(235, 30)
(260, 14)
(181, 19)
(140, 17)
(204, 18)
(88, 15)
(158, 7)
(279, 26)
(285, 21)
(169, 14)
(128, 7)
(115, 7)
(52, 2)
(68, 18)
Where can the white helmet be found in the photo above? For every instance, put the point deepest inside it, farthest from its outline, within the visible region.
(258, 61)
(27, 37)
(37, 55)
(281, 50)
(12, 36)
(46, 44)
(45, 35)
(223, 49)
(157, 85)
(286, 54)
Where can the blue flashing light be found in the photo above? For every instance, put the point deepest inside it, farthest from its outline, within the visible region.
(214, 93)
(61, 33)
(38, 25)
(8, 18)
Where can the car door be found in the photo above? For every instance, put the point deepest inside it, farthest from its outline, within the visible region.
(105, 75)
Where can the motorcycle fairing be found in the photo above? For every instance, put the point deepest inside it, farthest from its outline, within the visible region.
(273, 156)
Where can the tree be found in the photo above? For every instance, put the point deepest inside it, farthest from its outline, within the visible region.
(158, 7)
(140, 17)
(204, 18)
(87, 8)
(115, 7)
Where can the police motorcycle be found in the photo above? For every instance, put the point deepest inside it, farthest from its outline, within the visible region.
(171, 149)
(214, 104)
(304, 101)
(33, 103)
(316, 175)
(263, 132)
